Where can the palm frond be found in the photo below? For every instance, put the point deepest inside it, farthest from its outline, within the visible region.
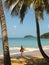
(28, 2)
(22, 12)
(16, 9)
(38, 5)
(39, 8)
(9, 3)
(46, 3)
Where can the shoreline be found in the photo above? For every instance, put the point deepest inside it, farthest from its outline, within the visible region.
(30, 57)
(28, 51)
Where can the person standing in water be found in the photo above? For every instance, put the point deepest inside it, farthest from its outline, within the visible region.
(21, 50)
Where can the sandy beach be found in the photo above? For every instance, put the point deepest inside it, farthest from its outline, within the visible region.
(31, 57)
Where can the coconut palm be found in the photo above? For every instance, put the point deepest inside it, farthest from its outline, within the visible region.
(20, 9)
(4, 36)
(39, 7)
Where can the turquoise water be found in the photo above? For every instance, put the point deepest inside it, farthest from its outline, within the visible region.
(25, 42)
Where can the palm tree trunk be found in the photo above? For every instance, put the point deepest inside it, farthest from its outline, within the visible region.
(7, 60)
(39, 43)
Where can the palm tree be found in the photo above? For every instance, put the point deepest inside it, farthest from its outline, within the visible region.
(39, 7)
(20, 9)
(4, 36)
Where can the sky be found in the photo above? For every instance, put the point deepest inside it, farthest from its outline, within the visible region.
(17, 30)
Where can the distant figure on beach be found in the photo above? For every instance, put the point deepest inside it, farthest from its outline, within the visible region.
(21, 50)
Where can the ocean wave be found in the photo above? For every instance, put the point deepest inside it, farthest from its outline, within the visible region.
(14, 48)
(18, 48)
(28, 49)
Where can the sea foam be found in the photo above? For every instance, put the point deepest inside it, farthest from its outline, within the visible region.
(27, 50)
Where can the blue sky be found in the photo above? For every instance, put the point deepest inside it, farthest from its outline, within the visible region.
(15, 29)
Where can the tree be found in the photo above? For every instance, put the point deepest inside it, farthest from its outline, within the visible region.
(39, 7)
(4, 36)
(20, 9)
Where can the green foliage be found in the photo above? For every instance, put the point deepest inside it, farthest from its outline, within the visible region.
(28, 2)
(28, 36)
(46, 35)
(39, 8)
(16, 9)
(22, 6)
(9, 3)
(22, 12)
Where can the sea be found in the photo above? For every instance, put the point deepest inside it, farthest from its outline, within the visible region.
(16, 43)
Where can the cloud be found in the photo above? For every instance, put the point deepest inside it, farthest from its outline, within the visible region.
(48, 26)
(14, 26)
